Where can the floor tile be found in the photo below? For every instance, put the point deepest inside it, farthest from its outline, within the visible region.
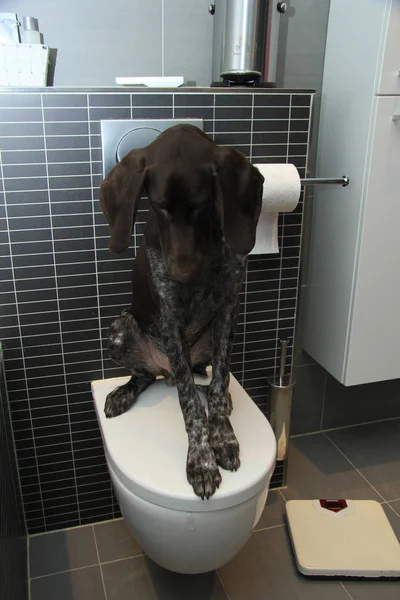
(317, 470)
(62, 550)
(142, 579)
(265, 570)
(375, 450)
(274, 511)
(83, 584)
(115, 541)
(396, 505)
(393, 517)
(373, 590)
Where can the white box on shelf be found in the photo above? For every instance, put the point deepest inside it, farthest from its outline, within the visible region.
(157, 82)
(9, 33)
(23, 65)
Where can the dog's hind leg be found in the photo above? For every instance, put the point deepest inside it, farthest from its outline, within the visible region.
(125, 346)
(122, 398)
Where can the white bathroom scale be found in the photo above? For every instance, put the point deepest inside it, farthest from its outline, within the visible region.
(350, 538)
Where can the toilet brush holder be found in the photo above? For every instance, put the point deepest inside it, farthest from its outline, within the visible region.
(280, 406)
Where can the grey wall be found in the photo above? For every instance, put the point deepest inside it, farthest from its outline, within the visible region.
(302, 40)
(13, 556)
(98, 40)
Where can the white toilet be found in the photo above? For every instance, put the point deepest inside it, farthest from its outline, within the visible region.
(146, 454)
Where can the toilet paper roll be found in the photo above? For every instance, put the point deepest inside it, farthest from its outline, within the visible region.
(281, 193)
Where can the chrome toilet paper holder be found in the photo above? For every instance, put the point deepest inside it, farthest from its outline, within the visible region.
(343, 180)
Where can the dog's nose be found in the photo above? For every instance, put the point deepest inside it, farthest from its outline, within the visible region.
(185, 270)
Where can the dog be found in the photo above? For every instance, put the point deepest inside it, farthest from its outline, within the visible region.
(204, 205)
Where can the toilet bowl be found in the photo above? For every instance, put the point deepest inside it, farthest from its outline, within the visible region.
(146, 455)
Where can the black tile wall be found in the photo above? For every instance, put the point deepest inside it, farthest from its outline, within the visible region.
(13, 549)
(61, 287)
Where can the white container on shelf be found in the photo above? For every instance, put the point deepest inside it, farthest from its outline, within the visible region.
(30, 31)
(30, 36)
(23, 65)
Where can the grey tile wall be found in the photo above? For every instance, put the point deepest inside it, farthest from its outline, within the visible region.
(13, 548)
(308, 401)
(61, 287)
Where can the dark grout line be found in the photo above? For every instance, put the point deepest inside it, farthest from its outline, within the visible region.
(354, 467)
(108, 562)
(323, 401)
(65, 571)
(391, 507)
(41, 533)
(270, 527)
(299, 435)
(98, 559)
(28, 565)
(74, 527)
(282, 494)
(346, 590)
(222, 583)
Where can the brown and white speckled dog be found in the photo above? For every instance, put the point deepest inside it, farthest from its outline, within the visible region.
(205, 202)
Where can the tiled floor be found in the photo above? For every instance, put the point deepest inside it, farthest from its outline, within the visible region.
(103, 562)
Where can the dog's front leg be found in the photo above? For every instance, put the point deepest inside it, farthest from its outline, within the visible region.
(222, 436)
(201, 466)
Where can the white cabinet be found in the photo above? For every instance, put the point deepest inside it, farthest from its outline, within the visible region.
(352, 322)
(389, 79)
(374, 332)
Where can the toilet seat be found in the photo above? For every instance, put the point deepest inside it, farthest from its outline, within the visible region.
(146, 447)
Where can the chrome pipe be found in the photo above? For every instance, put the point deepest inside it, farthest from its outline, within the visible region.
(344, 180)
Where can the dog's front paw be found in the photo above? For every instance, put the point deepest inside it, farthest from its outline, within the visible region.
(224, 442)
(119, 401)
(202, 470)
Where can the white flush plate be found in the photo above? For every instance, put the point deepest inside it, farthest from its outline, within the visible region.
(120, 136)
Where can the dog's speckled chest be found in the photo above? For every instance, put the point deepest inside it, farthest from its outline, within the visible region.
(197, 302)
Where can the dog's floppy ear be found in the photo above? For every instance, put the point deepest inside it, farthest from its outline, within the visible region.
(119, 198)
(240, 185)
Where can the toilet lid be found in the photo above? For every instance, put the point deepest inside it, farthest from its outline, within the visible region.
(147, 446)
